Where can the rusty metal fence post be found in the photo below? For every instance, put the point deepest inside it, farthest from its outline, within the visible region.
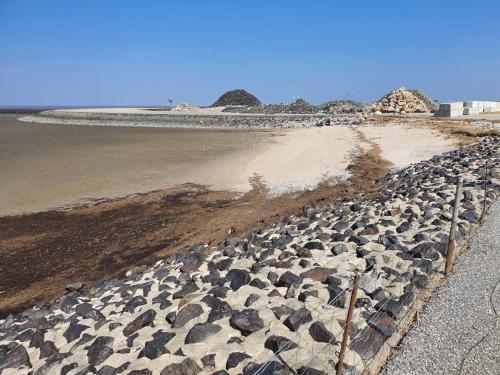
(347, 327)
(485, 188)
(450, 255)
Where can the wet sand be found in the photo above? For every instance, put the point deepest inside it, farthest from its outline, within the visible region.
(45, 166)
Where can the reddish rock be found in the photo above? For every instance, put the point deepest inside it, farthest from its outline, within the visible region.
(274, 293)
(383, 323)
(368, 343)
(369, 231)
(284, 263)
(74, 331)
(318, 273)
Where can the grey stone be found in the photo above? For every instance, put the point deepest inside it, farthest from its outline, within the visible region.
(238, 278)
(134, 303)
(337, 296)
(283, 310)
(297, 318)
(208, 361)
(246, 321)
(201, 332)
(470, 215)
(187, 313)
(156, 347)
(235, 358)
(14, 357)
(258, 283)
(287, 279)
(358, 240)
(162, 299)
(143, 320)
(339, 249)
(252, 298)
(189, 288)
(279, 344)
(99, 350)
(368, 283)
(187, 367)
(314, 245)
(368, 343)
(320, 333)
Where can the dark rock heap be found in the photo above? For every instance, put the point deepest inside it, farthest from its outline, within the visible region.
(236, 97)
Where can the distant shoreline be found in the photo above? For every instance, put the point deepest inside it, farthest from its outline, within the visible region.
(207, 118)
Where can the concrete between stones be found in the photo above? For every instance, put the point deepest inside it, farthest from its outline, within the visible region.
(272, 301)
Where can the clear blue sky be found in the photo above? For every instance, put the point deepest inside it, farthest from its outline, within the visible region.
(104, 52)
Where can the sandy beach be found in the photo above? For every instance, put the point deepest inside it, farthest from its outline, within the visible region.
(47, 166)
(134, 195)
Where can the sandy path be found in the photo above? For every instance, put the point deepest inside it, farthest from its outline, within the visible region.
(304, 157)
(403, 145)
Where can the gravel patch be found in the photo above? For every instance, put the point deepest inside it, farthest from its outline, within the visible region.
(459, 332)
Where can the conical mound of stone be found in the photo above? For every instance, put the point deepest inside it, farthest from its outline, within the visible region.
(401, 101)
(236, 97)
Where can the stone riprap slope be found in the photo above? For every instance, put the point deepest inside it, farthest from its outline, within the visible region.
(194, 119)
(188, 120)
(273, 297)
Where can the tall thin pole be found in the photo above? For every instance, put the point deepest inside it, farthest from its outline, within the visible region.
(485, 187)
(347, 328)
(450, 255)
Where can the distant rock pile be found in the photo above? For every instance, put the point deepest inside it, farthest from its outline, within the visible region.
(185, 107)
(342, 106)
(299, 106)
(432, 105)
(401, 101)
(236, 97)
